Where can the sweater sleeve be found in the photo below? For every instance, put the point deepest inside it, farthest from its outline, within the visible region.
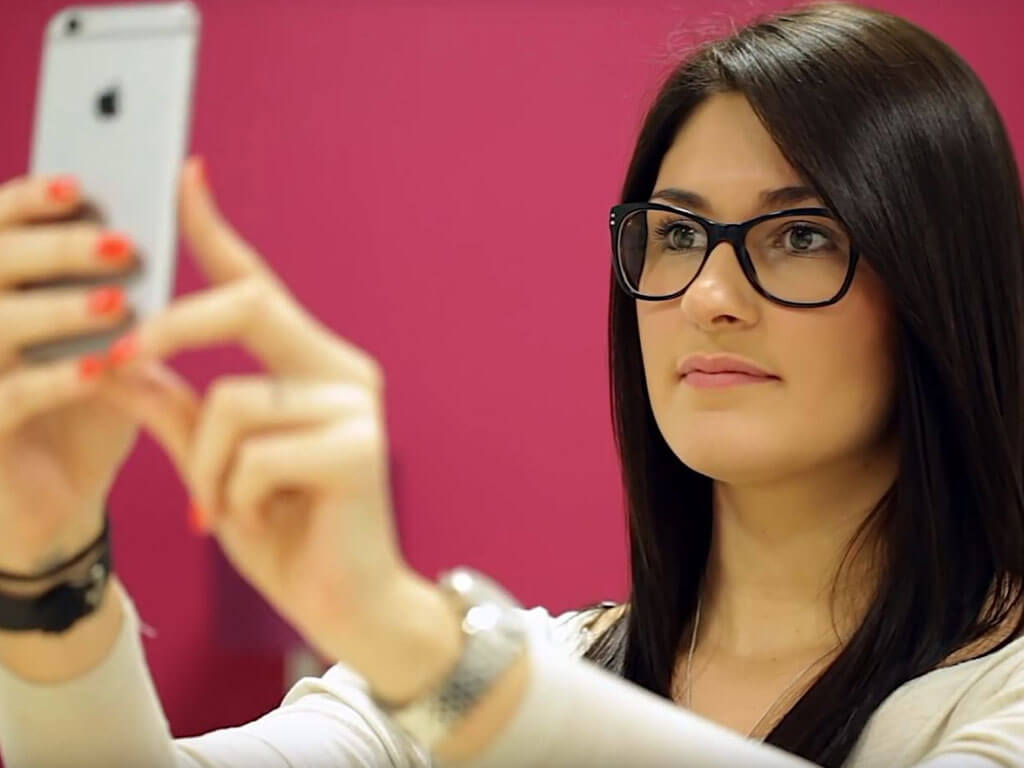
(111, 717)
(574, 713)
(986, 727)
(100, 718)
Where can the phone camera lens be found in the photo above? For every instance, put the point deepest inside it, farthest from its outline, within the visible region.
(73, 25)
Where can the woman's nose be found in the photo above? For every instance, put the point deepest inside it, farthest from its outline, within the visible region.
(720, 290)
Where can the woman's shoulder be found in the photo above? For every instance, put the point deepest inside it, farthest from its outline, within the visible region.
(573, 630)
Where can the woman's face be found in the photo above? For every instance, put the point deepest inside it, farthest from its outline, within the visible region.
(835, 364)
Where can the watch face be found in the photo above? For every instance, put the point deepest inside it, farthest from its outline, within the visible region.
(482, 617)
(474, 588)
(495, 635)
(486, 654)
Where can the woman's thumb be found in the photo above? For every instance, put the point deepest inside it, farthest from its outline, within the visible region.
(220, 252)
(162, 402)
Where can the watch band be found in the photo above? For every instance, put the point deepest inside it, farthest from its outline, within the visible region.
(494, 636)
(66, 602)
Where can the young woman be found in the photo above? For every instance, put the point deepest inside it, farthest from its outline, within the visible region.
(816, 351)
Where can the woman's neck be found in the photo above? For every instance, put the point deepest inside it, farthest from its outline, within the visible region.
(775, 556)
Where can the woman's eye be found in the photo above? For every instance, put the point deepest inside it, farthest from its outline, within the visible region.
(679, 236)
(800, 238)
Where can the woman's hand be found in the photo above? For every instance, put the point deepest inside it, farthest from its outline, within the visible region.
(288, 470)
(60, 445)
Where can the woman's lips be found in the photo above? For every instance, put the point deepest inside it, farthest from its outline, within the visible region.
(703, 380)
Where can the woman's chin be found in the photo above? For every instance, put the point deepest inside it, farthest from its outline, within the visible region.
(738, 461)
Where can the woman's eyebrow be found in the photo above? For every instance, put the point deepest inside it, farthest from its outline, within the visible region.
(769, 198)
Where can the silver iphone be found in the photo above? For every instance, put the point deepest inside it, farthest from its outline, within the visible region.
(114, 109)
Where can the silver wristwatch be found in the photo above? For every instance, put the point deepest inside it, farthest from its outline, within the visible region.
(494, 636)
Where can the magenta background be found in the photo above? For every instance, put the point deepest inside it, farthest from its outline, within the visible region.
(414, 171)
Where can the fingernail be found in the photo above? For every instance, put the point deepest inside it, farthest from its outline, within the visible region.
(106, 301)
(123, 350)
(201, 173)
(62, 188)
(196, 518)
(114, 247)
(90, 367)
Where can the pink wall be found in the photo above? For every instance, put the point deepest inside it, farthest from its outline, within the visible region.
(413, 170)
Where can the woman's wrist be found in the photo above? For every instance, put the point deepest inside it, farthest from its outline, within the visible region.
(64, 564)
(54, 599)
(44, 657)
(41, 550)
(412, 642)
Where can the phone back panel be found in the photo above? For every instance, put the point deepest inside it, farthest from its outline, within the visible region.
(114, 109)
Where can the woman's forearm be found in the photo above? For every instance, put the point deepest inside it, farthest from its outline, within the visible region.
(60, 695)
(42, 657)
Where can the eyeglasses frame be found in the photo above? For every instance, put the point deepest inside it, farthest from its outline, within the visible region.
(718, 232)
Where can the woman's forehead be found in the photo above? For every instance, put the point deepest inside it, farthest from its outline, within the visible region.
(723, 155)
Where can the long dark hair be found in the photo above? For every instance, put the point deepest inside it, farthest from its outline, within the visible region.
(900, 138)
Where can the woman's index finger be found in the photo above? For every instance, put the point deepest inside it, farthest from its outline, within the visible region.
(262, 319)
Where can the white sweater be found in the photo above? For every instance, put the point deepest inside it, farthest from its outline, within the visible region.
(573, 714)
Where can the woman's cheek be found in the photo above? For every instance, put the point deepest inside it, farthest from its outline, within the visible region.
(852, 403)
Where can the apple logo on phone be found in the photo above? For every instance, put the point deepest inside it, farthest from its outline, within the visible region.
(107, 102)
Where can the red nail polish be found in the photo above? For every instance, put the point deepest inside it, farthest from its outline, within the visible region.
(90, 367)
(123, 350)
(62, 188)
(113, 247)
(201, 173)
(196, 518)
(106, 301)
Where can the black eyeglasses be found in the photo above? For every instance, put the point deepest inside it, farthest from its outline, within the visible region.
(798, 257)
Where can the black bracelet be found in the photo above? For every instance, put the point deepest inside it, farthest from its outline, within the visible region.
(82, 554)
(65, 603)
